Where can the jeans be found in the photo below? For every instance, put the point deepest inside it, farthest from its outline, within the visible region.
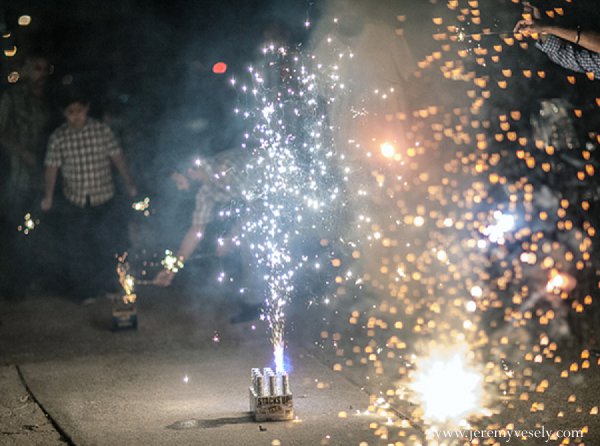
(91, 237)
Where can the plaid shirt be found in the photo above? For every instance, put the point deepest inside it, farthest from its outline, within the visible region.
(227, 172)
(83, 155)
(571, 56)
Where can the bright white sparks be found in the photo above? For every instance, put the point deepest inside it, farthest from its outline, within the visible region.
(292, 177)
(447, 389)
(387, 150)
(504, 224)
(278, 353)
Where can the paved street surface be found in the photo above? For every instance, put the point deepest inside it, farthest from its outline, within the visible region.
(182, 379)
(127, 388)
(21, 419)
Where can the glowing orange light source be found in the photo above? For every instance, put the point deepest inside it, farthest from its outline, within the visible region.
(10, 52)
(219, 68)
(560, 282)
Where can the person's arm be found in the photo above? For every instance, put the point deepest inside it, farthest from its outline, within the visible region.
(119, 161)
(190, 242)
(570, 56)
(51, 174)
(53, 163)
(589, 40)
(559, 44)
(181, 181)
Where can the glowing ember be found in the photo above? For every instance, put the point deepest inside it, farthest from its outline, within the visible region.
(29, 224)
(504, 224)
(142, 206)
(10, 52)
(126, 280)
(129, 298)
(560, 282)
(171, 263)
(24, 20)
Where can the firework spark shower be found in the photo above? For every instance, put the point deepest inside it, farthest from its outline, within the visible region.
(294, 192)
(465, 229)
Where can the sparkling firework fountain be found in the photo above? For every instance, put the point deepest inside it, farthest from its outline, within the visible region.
(294, 191)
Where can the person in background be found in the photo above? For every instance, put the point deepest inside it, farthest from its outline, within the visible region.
(219, 179)
(572, 48)
(219, 202)
(82, 150)
(24, 128)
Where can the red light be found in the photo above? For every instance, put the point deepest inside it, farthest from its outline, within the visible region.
(219, 68)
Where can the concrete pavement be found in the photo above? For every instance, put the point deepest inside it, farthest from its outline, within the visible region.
(130, 387)
(22, 422)
(143, 399)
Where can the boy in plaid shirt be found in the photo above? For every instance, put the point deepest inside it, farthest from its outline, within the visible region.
(82, 149)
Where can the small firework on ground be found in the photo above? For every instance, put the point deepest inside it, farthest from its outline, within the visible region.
(270, 395)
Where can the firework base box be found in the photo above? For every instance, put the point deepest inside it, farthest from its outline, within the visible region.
(124, 314)
(270, 396)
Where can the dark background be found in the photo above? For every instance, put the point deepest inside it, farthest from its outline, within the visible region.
(147, 66)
